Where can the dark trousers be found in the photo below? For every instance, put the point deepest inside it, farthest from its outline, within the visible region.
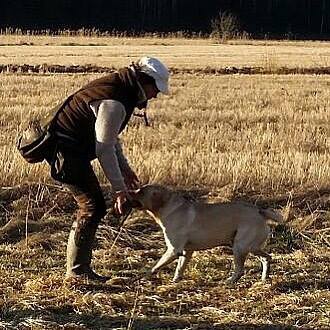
(75, 172)
(90, 201)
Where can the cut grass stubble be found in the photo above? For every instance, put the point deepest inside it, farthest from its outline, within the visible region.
(265, 133)
(258, 138)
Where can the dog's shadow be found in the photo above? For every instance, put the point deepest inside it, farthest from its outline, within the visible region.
(299, 285)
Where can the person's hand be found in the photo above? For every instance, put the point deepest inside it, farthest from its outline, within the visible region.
(131, 180)
(120, 199)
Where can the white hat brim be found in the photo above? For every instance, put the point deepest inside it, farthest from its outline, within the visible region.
(162, 86)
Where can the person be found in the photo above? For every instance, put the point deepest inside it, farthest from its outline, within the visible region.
(87, 127)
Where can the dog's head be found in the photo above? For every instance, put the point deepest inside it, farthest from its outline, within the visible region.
(150, 197)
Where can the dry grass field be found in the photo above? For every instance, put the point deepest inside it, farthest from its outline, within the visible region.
(258, 138)
(177, 53)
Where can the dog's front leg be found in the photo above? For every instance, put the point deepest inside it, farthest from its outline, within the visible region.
(166, 258)
(181, 266)
(265, 261)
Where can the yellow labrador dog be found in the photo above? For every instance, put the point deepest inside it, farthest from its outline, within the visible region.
(189, 226)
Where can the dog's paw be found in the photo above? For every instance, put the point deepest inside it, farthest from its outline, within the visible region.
(176, 279)
(234, 278)
(153, 270)
(230, 281)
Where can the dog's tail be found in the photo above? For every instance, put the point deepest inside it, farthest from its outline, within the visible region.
(272, 216)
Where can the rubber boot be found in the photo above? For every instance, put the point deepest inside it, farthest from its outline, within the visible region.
(79, 251)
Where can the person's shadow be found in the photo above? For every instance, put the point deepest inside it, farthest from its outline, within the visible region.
(65, 317)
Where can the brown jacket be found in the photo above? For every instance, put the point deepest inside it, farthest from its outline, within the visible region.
(77, 120)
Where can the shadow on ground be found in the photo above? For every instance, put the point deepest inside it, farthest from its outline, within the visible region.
(66, 318)
(298, 285)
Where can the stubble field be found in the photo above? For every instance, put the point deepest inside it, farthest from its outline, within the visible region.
(258, 138)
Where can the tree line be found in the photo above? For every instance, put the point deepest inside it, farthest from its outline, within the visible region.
(259, 18)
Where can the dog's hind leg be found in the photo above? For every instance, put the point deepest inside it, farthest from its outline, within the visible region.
(182, 265)
(239, 260)
(265, 261)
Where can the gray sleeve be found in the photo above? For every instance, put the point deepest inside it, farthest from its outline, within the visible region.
(110, 115)
(123, 162)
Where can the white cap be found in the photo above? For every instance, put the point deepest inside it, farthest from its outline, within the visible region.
(157, 70)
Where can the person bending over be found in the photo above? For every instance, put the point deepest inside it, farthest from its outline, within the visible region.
(87, 127)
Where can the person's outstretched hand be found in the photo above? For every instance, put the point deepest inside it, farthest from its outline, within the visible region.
(121, 199)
